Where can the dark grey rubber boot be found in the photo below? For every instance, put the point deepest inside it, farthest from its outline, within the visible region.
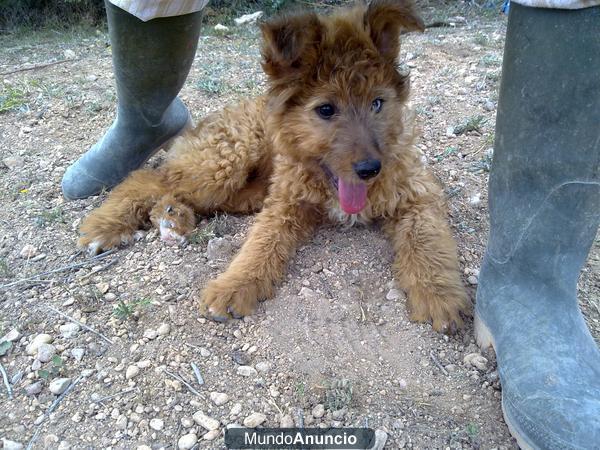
(544, 196)
(151, 62)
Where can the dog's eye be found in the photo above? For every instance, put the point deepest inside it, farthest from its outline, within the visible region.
(325, 111)
(377, 105)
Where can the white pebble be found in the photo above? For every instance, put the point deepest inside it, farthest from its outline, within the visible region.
(59, 385)
(150, 334)
(69, 330)
(40, 339)
(318, 411)
(27, 252)
(131, 372)
(476, 360)
(7, 444)
(45, 352)
(219, 398)
(163, 329)
(246, 371)
(11, 336)
(187, 441)
(157, 424)
(255, 419)
(212, 434)
(206, 422)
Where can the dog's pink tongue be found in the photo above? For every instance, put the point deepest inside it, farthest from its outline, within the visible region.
(353, 196)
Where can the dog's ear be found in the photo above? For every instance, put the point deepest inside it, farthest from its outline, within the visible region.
(385, 20)
(289, 43)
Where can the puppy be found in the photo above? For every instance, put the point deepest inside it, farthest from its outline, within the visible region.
(331, 139)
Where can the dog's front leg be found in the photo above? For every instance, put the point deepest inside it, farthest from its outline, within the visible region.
(261, 261)
(426, 266)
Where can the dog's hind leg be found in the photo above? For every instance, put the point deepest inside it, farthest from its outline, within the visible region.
(426, 266)
(126, 210)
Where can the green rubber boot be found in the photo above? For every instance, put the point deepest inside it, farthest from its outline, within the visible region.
(544, 196)
(151, 62)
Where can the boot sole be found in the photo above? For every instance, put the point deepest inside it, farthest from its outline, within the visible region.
(485, 340)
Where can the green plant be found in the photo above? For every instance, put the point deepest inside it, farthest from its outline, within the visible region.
(217, 227)
(447, 152)
(5, 271)
(55, 368)
(11, 97)
(55, 215)
(473, 123)
(472, 430)
(124, 310)
(212, 86)
(338, 394)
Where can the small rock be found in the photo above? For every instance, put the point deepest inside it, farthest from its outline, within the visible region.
(187, 441)
(394, 294)
(69, 330)
(204, 352)
(91, 77)
(286, 422)
(36, 365)
(59, 385)
(255, 419)
(13, 162)
(27, 252)
(103, 288)
(12, 336)
(473, 280)
(40, 339)
(110, 297)
(489, 106)
(150, 334)
(143, 447)
(78, 353)
(450, 368)
(263, 366)
(131, 372)
(221, 27)
(219, 398)
(11, 445)
(380, 440)
(34, 388)
(475, 199)
(236, 409)
(205, 422)
(45, 352)
(476, 360)
(121, 422)
(163, 329)
(219, 249)
(241, 358)
(307, 293)
(211, 435)
(248, 18)
(246, 371)
(318, 411)
(69, 54)
(157, 424)
(64, 445)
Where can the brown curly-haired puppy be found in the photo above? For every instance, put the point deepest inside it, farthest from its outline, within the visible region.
(331, 139)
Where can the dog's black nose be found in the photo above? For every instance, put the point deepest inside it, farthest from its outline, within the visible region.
(367, 168)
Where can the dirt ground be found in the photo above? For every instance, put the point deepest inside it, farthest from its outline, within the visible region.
(333, 348)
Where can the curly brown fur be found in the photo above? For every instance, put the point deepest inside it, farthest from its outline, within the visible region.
(286, 156)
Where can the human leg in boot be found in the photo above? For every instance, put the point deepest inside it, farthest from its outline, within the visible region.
(544, 198)
(151, 62)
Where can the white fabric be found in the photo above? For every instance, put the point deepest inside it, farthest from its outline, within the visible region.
(558, 4)
(151, 9)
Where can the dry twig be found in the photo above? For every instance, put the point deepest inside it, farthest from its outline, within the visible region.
(82, 325)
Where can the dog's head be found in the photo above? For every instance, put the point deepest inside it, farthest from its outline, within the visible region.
(336, 96)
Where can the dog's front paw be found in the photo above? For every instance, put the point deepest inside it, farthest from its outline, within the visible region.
(442, 307)
(223, 299)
